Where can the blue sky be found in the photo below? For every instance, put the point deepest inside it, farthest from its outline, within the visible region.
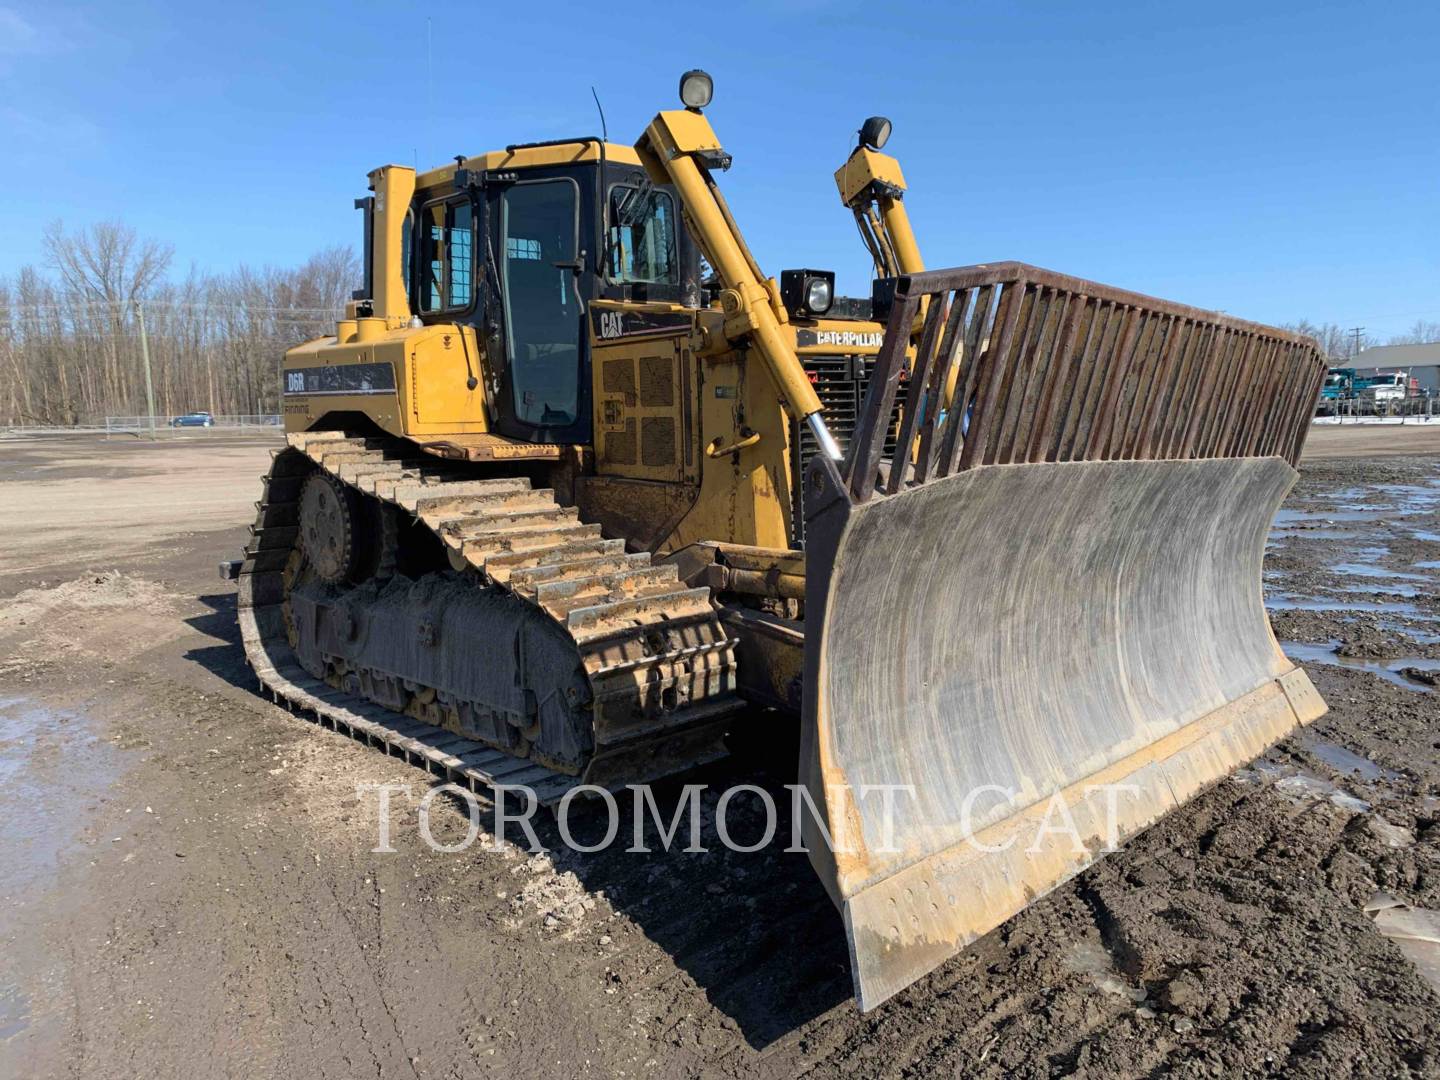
(1277, 161)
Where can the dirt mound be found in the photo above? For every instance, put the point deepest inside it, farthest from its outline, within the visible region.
(107, 589)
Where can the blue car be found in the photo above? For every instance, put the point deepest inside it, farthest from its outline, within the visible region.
(194, 419)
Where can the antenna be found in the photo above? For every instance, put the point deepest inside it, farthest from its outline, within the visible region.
(604, 132)
(429, 95)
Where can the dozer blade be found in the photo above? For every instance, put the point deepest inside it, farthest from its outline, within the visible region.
(1039, 625)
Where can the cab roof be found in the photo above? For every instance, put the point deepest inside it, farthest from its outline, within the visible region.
(533, 156)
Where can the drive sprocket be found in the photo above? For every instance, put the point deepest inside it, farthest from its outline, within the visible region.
(327, 529)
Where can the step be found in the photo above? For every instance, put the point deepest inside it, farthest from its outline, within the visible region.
(437, 502)
(521, 540)
(604, 620)
(532, 576)
(629, 582)
(350, 472)
(470, 526)
(499, 567)
(300, 440)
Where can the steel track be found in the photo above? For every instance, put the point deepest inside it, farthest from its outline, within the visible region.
(659, 667)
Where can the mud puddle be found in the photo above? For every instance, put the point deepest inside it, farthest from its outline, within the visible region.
(1278, 534)
(14, 1011)
(1299, 785)
(1404, 592)
(42, 751)
(1350, 552)
(1392, 671)
(1414, 930)
(1371, 570)
(1372, 514)
(1420, 637)
(1346, 761)
(1095, 962)
(1292, 602)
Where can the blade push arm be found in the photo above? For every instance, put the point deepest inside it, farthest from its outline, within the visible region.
(678, 147)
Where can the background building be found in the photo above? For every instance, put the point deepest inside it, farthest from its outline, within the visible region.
(1422, 361)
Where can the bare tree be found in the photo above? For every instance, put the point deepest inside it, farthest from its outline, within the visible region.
(1335, 341)
(69, 346)
(1422, 333)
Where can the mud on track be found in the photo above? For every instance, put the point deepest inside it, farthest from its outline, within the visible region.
(188, 885)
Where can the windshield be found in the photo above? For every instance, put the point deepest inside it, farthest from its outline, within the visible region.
(640, 246)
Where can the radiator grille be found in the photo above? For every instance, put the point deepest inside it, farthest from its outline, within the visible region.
(657, 382)
(618, 377)
(840, 383)
(657, 440)
(620, 445)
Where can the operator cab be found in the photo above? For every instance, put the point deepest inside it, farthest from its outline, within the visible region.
(517, 243)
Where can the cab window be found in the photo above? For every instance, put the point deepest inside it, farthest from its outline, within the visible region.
(640, 245)
(407, 242)
(540, 223)
(447, 256)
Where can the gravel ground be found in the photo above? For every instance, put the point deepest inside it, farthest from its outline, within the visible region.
(189, 886)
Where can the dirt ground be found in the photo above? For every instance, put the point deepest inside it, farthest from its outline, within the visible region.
(1369, 440)
(188, 887)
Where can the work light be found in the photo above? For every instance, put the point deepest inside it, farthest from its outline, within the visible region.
(696, 89)
(875, 132)
(807, 293)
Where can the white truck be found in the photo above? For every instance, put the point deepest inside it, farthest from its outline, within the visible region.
(1387, 387)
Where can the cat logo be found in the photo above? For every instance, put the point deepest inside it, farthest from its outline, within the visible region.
(612, 324)
(849, 339)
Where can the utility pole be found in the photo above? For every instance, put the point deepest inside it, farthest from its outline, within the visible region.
(145, 357)
(1355, 332)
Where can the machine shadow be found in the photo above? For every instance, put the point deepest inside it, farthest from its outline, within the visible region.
(225, 660)
(756, 931)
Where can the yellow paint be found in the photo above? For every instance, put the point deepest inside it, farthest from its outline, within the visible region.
(735, 370)
(430, 379)
(394, 187)
(530, 158)
(674, 138)
(744, 495)
(854, 179)
(639, 392)
(439, 399)
(864, 167)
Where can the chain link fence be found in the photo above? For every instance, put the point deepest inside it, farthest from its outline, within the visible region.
(130, 425)
(1368, 409)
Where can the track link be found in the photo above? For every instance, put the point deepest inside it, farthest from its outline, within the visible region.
(659, 667)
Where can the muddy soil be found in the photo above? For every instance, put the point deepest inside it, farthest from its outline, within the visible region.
(189, 887)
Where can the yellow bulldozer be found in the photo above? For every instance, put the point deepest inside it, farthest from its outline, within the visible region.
(576, 490)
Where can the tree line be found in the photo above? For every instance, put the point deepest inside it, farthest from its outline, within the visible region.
(71, 341)
(71, 329)
(1341, 343)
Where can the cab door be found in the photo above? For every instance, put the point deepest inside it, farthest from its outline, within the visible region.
(543, 395)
